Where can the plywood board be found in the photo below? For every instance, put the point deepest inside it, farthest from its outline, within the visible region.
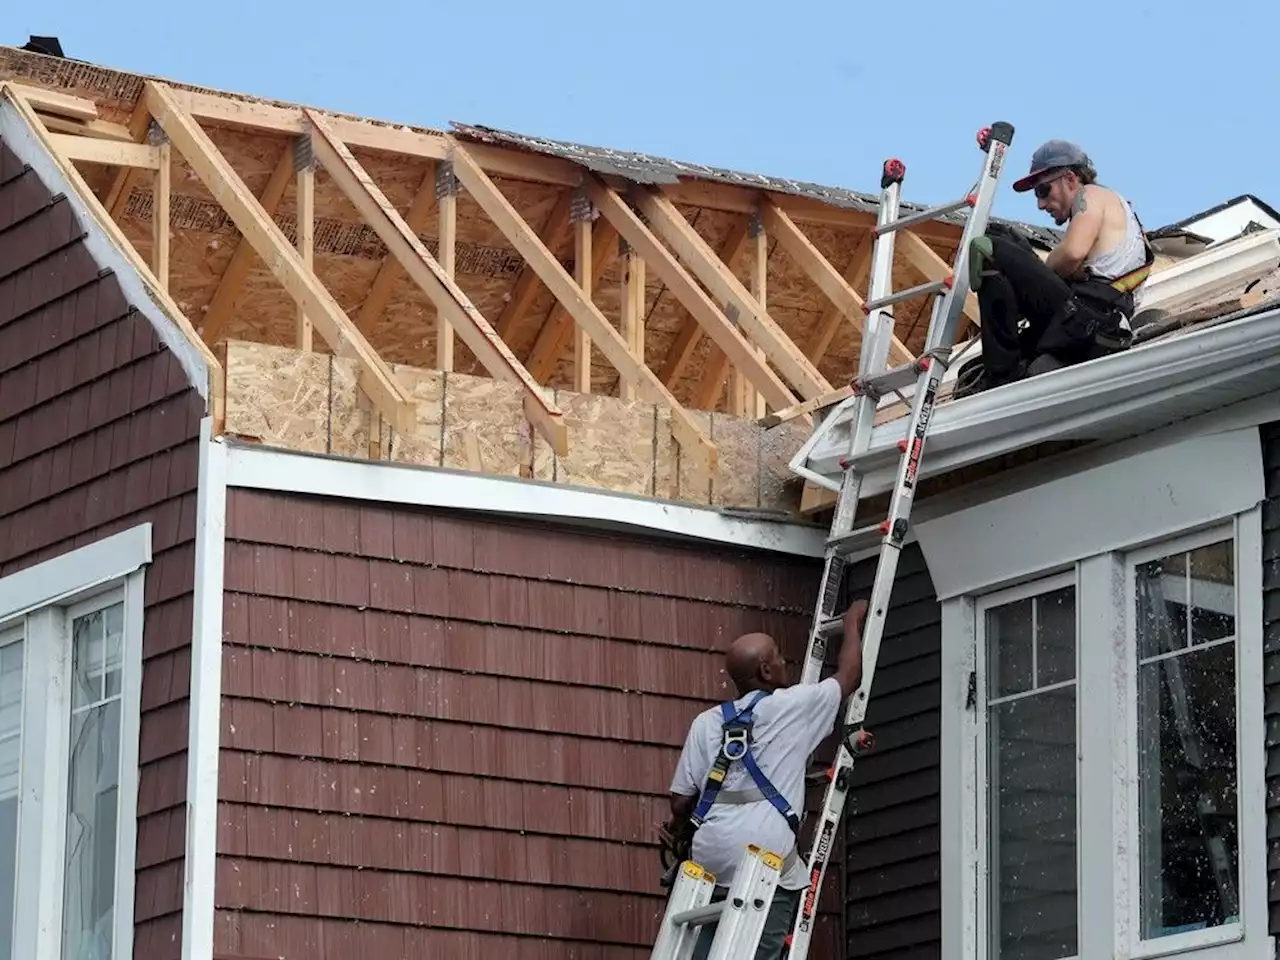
(309, 402)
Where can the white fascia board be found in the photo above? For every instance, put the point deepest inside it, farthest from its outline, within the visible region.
(1107, 398)
(19, 137)
(286, 471)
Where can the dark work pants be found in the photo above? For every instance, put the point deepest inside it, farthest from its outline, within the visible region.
(1024, 290)
(777, 925)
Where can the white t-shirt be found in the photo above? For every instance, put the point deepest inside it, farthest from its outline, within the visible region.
(789, 725)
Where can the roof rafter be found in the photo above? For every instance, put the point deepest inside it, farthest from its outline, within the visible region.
(451, 303)
(717, 326)
(819, 269)
(925, 259)
(217, 398)
(668, 223)
(375, 301)
(693, 442)
(553, 335)
(281, 258)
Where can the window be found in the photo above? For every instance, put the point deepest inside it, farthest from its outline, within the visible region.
(70, 680)
(1186, 820)
(1028, 684)
(1109, 808)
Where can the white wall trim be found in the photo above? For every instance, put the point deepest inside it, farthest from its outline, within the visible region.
(204, 740)
(1116, 505)
(19, 138)
(66, 578)
(289, 472)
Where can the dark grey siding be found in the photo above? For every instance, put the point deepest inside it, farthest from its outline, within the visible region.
(1271, 657)
(892, 836)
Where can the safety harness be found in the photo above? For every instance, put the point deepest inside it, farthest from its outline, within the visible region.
(735, 747)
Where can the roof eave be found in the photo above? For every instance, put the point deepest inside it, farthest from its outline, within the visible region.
(1106, 399)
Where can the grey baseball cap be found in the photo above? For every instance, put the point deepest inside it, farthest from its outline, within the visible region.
(1051, 155)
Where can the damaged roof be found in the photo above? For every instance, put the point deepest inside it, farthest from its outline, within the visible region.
(647, 169)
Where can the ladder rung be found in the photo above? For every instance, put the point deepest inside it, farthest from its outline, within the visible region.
(831, 629)
(891, 380)
(931, 214)
(698, 915)
(924, 289)
(859, 539)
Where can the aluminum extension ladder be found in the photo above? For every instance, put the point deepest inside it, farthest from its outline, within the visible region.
(926, 373)
(739, 917)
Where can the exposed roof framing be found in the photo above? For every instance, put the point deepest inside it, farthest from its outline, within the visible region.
(358, 241)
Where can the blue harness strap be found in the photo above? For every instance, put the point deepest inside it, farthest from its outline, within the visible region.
(736, 746)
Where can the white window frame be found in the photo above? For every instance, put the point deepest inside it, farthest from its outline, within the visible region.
(980, 739)
(43, 600)
(1107, 799)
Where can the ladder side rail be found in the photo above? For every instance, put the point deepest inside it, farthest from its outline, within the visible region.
(946, 316)
(690, 894)
(746, 908)
(876, 336)
(941, 331)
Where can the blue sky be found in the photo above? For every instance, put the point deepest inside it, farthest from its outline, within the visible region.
(1174, 102)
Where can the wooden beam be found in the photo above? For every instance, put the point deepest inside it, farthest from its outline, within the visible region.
(833, 317)
(554, 233)
(281, 259)
(559, 326)
(925, 259)
(112, 153)
(682, 349)
(450, 302)
(222, 305)
(55, 102)
(424, 201)
(217, 382)
(582, 263)
(744, 400)
(668, 223)
(224, 110)
(819, 270)
(693, 442)
(122, 185)
(686, 290)
(631, 321)
(97, 129)
(304, 169)
(447, 198)
(160, 194)
(806, 408)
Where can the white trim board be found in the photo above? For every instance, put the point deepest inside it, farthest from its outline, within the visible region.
(1113, 506)
(18, 137)
(68, 576)
(204, 729)
(290, 472)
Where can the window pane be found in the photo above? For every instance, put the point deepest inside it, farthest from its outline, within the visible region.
(1032, 768)
(1188, 836)
(93, 779)
(11, 649)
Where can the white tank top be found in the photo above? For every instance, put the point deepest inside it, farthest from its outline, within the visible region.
(1129, 254)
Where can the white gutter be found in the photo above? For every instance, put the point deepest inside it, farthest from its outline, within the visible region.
(1120, 395)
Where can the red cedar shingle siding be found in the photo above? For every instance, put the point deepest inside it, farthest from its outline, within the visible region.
(99, 431)
(451, 737)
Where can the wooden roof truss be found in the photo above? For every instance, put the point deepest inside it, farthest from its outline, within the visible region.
(596, 221)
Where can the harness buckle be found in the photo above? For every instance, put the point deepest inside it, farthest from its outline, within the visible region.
(736, 743)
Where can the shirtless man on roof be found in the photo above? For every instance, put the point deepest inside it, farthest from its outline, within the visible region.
(1072, 307)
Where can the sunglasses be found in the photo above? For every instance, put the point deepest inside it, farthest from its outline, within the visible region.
(1044, 186)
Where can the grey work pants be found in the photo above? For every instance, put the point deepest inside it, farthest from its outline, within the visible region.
(777, 925)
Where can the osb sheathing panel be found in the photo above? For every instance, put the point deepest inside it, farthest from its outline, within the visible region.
(310, 402)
